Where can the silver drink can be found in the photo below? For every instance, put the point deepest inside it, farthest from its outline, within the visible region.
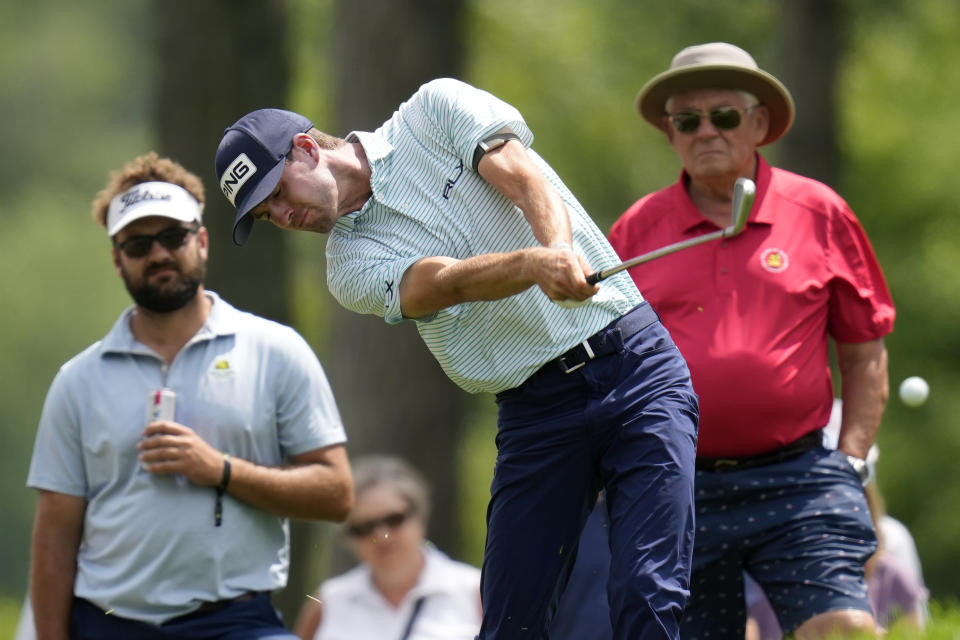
(161, 404)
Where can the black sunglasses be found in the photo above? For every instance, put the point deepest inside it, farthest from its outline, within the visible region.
(170, 239)
(723, 118)
(390, 521)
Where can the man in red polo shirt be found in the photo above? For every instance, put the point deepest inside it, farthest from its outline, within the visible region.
(752, 316)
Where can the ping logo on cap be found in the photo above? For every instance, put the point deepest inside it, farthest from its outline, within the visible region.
(236, 175)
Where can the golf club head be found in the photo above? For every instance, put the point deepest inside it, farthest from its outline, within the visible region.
(743, 193)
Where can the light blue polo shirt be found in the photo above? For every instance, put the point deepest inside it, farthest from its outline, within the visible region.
(150, 551)
(428, 201)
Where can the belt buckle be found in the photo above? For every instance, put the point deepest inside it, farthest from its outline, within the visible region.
(562, 360)
(565, 369)
(725, 464)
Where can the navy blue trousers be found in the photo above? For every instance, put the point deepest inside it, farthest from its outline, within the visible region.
(583, 611)
(253, 619)
(626, 422)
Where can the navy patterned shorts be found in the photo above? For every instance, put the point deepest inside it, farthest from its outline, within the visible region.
(801, 528)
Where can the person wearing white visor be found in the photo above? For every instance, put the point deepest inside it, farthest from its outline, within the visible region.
(171, 453)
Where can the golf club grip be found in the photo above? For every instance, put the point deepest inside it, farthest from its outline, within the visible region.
(603, 274)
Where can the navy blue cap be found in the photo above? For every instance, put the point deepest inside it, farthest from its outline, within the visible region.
(250, 160)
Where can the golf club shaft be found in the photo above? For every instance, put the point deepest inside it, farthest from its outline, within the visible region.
(743, 194)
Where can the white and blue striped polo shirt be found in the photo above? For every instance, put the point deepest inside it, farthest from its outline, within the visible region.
(428, 201)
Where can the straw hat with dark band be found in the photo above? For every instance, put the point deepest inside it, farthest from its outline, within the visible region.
(717, 65)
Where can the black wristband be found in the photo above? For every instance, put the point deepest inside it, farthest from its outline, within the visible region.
(225, 478)
(221, 489)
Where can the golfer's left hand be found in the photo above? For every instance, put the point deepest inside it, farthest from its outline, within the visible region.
(169, 447)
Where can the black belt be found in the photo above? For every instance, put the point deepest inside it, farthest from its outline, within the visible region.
(204, 608)
(209, 607)
(788, 451)
(601, 343)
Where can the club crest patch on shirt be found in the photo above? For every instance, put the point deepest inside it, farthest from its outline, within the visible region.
(221, 368)
(774, 260)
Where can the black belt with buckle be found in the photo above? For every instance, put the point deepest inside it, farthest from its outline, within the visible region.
(601, 343)
(787, 452)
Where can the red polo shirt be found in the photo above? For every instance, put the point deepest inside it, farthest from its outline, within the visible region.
(751, 314)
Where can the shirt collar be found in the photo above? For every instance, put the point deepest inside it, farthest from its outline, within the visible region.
(378, 150)
(223, 320)
(689, 218)
(764, 180)
(374, 145)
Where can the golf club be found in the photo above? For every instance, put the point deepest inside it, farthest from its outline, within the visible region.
(743, 193)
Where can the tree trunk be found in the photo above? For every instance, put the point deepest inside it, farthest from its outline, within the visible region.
(394, 397)
(213, 62)
(811, 40)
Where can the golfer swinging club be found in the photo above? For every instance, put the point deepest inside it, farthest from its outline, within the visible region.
(445, 216)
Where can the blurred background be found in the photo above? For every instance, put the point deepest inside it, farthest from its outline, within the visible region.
(85, 87)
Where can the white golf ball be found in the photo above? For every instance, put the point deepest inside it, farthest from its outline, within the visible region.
(914, 391)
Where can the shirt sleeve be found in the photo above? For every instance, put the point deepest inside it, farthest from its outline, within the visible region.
(307, 413)
(57, 462)
(861, 308)
(465, 115)
(364, 276)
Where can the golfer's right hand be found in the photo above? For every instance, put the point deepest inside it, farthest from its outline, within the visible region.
(561, 274)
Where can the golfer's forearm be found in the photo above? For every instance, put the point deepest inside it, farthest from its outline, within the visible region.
(437, 283)
(512, 171)
(546, 214)
(488, 277)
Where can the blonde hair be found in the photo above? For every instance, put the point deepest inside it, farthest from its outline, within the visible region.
(146, 168)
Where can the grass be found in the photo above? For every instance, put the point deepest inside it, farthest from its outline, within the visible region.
(9, 616)
(944, 623)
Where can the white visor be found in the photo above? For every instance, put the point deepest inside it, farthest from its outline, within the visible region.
(152, 199)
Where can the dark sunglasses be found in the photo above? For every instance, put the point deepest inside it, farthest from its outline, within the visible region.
(390, 521)
(170, 239)
(723, 118)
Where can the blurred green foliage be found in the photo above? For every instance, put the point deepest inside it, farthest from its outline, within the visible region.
(75, 96)
(900, 135)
